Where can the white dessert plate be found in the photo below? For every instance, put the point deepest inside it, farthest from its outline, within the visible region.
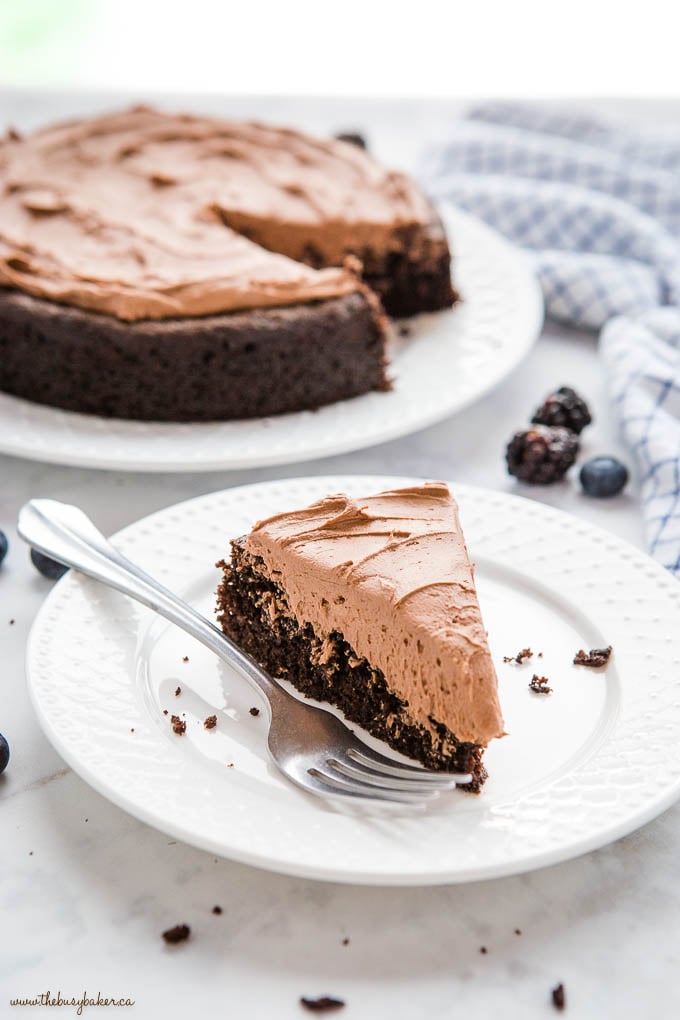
(450, 359)
(579, 767)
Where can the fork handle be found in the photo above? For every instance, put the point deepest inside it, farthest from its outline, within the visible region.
(68, 535)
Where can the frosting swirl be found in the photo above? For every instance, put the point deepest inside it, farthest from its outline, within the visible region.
(147, 215)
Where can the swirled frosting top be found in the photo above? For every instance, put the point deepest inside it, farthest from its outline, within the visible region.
(391, 572)
(148, 215)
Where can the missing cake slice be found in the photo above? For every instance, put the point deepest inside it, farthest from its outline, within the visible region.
(370, 604)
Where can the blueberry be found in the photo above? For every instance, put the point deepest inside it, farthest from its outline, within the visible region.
(4, 545)
(4, 754)
(603, 477)
(47, 566)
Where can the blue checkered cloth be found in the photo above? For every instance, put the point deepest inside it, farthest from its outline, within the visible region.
(598, 209)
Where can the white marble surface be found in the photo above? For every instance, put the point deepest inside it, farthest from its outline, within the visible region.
(85, 890)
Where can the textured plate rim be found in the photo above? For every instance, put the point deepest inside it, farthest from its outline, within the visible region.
(523, 339)
(656, 804)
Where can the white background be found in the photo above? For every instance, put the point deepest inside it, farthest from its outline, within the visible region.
(356, 47)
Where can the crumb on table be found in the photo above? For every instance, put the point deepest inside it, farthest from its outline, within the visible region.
(180, 933)
(559, 999)
(323, 1004)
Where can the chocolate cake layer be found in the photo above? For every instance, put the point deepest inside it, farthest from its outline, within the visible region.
(230, 366)
(418, 277)
(254, 611)
(410, 288)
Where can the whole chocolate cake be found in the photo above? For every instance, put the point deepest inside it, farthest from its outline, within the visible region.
(371, 604)
(175, 267)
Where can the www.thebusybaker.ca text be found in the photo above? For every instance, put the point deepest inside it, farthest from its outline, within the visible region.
(48, 999)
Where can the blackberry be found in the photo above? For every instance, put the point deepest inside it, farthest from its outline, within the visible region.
(541, 455)
(352, 138)
(565, 409)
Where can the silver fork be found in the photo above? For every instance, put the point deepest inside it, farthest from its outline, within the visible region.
(310, 746)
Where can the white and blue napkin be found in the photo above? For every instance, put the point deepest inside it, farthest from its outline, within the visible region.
(598, 208)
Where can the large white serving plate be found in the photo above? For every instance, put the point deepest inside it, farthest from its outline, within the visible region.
(450, 359)
(578, 768)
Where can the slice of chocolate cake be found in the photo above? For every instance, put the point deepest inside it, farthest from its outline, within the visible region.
(371, 605)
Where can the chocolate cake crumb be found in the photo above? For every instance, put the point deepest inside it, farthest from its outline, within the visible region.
(211, 722)
(217, 910)
(345, 941)
(540, 655)
(322, 1005)
(483, 950)
(178, 725)
(178, 691)
(185, 658)
(518, 931)
(524, 653)
(539, 685)
(165, 711)
(230, 764)
(596, 657)
(132, 729)
(11, 622)
(559, 999)
(254, 711)
(180, 933)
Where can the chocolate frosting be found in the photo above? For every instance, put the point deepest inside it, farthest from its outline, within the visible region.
(147, 215)
(391, 572)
